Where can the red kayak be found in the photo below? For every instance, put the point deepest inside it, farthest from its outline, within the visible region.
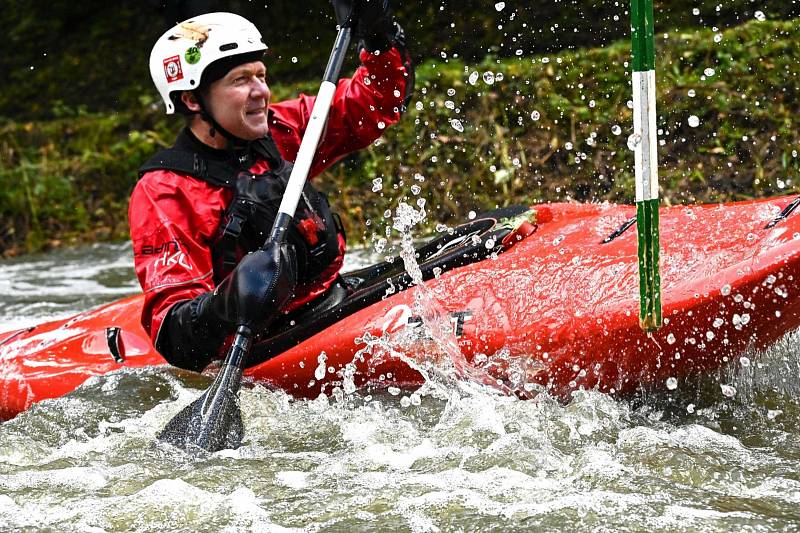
(543, 298)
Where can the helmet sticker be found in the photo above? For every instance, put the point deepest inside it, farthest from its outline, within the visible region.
(192, 31)
(172, 69)
(192, 55)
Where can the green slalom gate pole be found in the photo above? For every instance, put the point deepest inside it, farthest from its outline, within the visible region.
(645, 140)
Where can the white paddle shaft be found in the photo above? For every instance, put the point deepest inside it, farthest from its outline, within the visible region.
(308, 148)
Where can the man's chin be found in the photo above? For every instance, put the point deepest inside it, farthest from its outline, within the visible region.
(253, 132)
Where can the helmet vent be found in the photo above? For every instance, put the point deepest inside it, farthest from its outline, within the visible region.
(229, 46)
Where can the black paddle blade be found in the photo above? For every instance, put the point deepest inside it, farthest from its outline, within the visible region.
(213, 422)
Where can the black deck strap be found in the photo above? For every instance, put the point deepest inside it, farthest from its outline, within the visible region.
(620, 230)
(115, 344)
(14, 334)
(369, 285)
(785, 213)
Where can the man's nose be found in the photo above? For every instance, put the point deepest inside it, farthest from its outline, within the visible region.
(259, 88)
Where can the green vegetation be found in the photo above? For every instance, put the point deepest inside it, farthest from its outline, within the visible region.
(468, 146)
(92, 55)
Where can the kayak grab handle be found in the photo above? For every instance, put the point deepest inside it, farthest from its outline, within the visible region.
(114, 341)
(785, 213)
(619, 231)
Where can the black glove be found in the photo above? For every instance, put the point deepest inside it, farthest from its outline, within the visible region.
(371, 20)
(252, 295)
(258, 288)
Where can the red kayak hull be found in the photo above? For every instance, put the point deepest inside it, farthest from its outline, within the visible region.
(560, 308)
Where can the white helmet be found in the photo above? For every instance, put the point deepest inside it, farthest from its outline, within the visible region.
(183, 54)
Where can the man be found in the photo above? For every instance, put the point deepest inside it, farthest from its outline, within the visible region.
(201, 206)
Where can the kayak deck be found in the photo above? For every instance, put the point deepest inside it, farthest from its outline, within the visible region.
(560, 308)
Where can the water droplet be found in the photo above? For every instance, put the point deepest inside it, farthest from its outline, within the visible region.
(568, 145)
(728, 390)
(690, 408)
(449, 104)
(377, 184)
(709, 72)
(760, 16)
(710, 335)
(692, 93)
(672, 383)
(419, 106)
(535, 115)
(695, 11)
(294, 59)
(725, 290)
(745, 362)
(615, 129)
(451, 92)
(694, 121)
(394, 391)
(471, 215)
(499, 6)
(634, 140)
(718, 38)
(671, 338)
(488, 77)
(396, 93)
(381, 125)
(319, 372)
(456, 124)
(367, 81)
(473, 78)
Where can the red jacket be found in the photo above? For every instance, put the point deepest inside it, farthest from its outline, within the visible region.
(174, 218)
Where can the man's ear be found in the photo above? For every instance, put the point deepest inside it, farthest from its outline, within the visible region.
(190, 101)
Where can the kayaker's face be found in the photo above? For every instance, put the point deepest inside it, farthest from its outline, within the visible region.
(238, 101)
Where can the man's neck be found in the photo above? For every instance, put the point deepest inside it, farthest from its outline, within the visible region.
(202, 131)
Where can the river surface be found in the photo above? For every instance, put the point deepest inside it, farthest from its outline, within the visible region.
(721, 454)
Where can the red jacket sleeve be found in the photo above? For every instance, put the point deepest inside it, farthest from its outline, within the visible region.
(362, 108)
(173, 220)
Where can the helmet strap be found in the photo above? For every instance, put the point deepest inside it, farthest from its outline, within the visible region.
(215, 126)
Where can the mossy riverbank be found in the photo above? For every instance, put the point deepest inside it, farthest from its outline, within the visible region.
(514, 130)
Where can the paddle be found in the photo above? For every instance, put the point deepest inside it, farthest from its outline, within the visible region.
(213, 421)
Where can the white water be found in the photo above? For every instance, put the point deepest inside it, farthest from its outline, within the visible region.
(449, 457)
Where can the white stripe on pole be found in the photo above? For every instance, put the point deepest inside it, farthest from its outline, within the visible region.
(308, 148)
(644, 131)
